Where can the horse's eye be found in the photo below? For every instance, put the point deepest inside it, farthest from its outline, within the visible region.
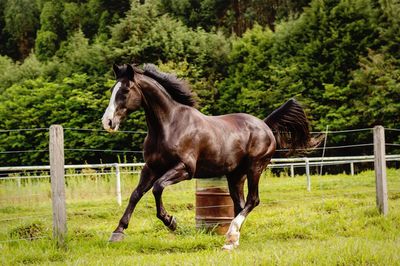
(121, 96)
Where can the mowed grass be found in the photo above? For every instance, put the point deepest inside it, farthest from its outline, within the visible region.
(337, 223)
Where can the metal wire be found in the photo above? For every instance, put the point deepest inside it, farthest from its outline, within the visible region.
(24, 177)
(341, 131)
(144, 132)
(392, 129)
(22, 151)
(98, 150)
(23, 129)
(334, 147)
(102, 130)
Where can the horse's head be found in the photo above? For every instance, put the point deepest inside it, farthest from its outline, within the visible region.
(125, 98)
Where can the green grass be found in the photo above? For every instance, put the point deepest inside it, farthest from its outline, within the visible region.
(337, 223)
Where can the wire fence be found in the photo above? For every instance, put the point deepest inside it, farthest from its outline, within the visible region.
(30, 185)
(84, 145)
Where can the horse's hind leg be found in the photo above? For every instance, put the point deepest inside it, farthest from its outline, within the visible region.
(146, 181)
(235, 183)
(252, 200)
(172, 176)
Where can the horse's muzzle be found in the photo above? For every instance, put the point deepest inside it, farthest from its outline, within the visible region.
(110, 125)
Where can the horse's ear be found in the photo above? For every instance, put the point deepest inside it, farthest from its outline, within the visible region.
(129, 71)
(116, 69)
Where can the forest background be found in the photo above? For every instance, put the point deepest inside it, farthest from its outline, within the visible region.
(340, 58)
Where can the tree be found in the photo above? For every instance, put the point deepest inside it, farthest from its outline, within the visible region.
(302, 57)
(7, 45)
(21, 22)
(233, 16)
(46, 44)
(76, 55)
(376, 90)
(37, 103)
(244, 87)
(51, 19)
(56, 19)
(14, 73)
(99, 14)
(71, 17)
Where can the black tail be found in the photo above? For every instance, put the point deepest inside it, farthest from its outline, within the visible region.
(291, 128)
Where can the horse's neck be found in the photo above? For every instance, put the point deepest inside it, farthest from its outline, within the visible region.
(158, 105)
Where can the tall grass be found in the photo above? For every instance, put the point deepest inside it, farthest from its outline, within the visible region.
(336, 223)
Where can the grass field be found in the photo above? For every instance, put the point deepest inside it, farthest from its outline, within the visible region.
(337, 223)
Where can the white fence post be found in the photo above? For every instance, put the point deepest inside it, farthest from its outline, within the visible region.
(118, 184)
(308, 174)
(292, 170)
(380, 169)
(352, 168)
(56, 154)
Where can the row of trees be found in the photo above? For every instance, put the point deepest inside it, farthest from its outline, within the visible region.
(341, 58)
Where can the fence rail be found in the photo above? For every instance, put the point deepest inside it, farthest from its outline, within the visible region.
(275, 163)
(69, 166)
(291, 163)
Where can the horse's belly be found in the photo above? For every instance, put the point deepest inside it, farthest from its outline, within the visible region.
(221, 156)
(215, 168)
(208, 172)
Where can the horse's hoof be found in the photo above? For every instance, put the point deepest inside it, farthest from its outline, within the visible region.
(116, 237)
(172, 224)
(232, 242)
(229, 247)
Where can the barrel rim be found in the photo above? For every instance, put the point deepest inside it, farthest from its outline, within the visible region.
(214, 218)
(213, 193)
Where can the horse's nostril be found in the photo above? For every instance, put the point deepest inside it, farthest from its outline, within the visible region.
(110, 123)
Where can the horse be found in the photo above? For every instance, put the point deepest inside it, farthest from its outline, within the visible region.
(182, 143)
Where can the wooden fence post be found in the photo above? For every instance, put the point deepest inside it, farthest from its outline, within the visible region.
(56, 150)
(380, 170)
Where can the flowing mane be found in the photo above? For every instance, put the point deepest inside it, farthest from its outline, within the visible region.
(177, 88)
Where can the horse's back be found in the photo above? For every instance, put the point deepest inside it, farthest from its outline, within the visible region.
(228, 141)
(260, 139)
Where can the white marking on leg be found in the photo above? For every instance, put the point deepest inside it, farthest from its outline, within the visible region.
(233, 234)
(109, 113)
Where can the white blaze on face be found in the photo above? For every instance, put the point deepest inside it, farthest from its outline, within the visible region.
(110, 111)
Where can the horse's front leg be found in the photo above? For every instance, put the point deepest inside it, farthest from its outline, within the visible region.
(146, 181)
(172, 176)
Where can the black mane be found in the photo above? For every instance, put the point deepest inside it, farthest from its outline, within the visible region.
(177, 88)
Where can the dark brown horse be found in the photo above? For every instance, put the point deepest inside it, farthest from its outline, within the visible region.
(183, 143)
